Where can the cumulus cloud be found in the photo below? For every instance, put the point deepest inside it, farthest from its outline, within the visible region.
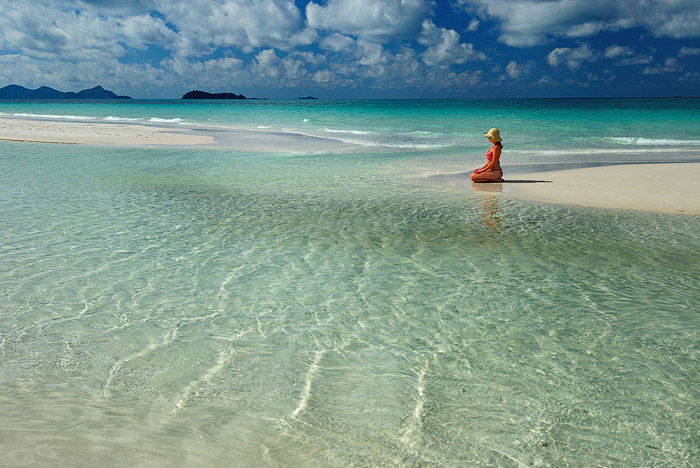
(247, 24)
(636, 60)
(617, 51)
(111, 6)
(337, 42)
(516, 70)
(71, 34)
(287, 71)
(571, 57)
(670, 65)
(323, 77)
(525, 23)
(626, 56)
(377, 20)
(444, 47)
(689, 51)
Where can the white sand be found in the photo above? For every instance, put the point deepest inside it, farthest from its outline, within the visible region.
(663, 187)
(120, 134)
(668, 188)
(106, 134)
(658, 187)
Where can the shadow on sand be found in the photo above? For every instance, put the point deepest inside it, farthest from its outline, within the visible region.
(514, 181)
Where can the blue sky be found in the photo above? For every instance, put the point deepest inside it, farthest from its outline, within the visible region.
(355, 48)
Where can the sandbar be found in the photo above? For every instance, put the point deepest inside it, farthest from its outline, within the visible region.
(656, 187)
(154, 135)
(100, 134)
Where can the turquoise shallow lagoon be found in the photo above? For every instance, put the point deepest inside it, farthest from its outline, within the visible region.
(179, 307)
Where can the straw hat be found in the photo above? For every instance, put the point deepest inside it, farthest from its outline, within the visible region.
(494, 135)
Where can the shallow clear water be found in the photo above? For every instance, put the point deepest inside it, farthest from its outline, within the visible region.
(213, 308)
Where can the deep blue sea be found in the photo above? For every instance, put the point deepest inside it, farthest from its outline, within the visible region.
(219, 307)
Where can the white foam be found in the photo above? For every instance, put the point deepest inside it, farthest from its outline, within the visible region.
(422, 133)
(352, 132)
(593, 151)
(159, 120)
(392, 145)
(306, 120)
(52, 116)
(263, 126)
(640, 141)
(121, 119)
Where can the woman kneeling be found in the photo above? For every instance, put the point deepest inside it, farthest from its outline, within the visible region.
(491, 171)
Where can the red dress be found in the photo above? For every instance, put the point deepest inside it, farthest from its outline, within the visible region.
(491, 171)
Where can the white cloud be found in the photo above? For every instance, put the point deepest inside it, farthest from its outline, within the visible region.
(377, 20)
(626, 56)
(572, 58)
(141, 30)
(464, 80)
(285, 72)
(636, 60)
(444, 46)
(617, 51)
(110, 6)
(247, 24)
(71, 34)
(371, 54)
(670, 65)
(337, 42)
(516, 70)
(689, 51)
(323, 76)
(525, 23)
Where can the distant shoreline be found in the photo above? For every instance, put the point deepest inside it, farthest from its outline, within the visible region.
(389, 99)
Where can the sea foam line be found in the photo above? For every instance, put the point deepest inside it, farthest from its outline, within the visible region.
(159, 120)
(352, 132)
(52, 116)
(111, 118)
(641, 141)
(594, 151)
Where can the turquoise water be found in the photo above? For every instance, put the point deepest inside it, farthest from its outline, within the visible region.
(532, 128)
(218, 308)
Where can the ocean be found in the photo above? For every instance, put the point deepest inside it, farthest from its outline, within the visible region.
(219, 307)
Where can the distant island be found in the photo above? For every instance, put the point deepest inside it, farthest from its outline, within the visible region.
(308, 97)
(14, 91)
(196, 94)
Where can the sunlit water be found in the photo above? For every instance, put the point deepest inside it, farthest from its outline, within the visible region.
(178, 307)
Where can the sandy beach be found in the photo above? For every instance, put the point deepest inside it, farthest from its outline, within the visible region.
(102, 134)
(655, 187)
(121, 134)
(668, 188)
